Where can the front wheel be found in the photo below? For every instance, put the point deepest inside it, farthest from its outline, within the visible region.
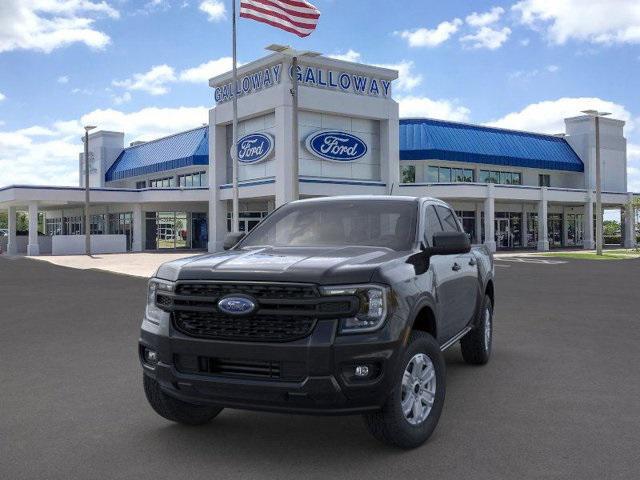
(412, 411)
(174, 409)
(476, 345)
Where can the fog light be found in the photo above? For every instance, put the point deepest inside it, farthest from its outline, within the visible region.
(150, 356)
(362, 371)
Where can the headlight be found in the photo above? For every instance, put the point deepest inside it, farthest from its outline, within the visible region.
(154, 313)
(374, 302)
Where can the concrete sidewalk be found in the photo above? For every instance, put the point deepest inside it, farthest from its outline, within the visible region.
(135, 264)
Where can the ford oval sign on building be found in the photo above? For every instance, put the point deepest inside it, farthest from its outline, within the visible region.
(336, 146)
(255, 147)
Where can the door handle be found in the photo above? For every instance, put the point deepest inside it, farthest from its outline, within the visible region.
(456, 267)
(472, 262)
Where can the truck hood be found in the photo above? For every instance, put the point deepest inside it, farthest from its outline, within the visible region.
(320, 265)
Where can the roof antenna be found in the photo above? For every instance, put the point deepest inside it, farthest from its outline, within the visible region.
(392, 186)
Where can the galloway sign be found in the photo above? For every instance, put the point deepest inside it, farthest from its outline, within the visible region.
(342, 81)
(255, 147)
(252, 82)
(336, 146)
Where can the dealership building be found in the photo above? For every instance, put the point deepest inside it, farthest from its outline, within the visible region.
(511, 189)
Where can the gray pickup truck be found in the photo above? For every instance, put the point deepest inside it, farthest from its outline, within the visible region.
(339, 305)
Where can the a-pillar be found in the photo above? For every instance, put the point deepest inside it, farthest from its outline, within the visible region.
(478, 223)
(32, 247)
(12, 246)
(588, 241)
(629, 224)
(543, 236)
(489, 220)
(138, 227)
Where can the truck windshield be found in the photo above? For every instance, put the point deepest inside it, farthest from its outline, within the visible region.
(379, 223)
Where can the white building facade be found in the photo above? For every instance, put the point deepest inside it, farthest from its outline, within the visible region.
(511, 189)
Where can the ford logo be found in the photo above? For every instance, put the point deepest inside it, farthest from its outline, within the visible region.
(236, 305)
(255, 147)
(336, 146)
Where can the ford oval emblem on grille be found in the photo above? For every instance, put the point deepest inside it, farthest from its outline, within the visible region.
(236, 305)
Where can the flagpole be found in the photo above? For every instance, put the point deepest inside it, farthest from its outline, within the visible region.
(235, 221)
(295, 194)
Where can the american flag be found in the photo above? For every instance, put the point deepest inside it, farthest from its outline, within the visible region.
(295, 16)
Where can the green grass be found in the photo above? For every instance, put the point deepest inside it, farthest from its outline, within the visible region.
(606, 255)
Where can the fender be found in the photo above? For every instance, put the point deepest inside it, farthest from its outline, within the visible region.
(426, 300)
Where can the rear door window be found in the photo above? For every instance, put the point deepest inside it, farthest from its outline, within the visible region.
(431, 225)
(448, 219)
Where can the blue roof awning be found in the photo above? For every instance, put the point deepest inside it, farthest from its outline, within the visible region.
(176, 151)
(427, 139)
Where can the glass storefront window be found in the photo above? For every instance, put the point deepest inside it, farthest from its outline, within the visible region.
(468, 220)
(408, 174)
(432, 175)
(444, 175)
(176, 230)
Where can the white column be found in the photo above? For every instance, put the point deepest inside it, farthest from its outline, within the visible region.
(217, 223)
(33, 248)
(138, 228)
(284, 156)
(12, 247)
(543, 236)
(478, 223)
(588, 240)
(629, 224)
(489, 220)
(390, 151)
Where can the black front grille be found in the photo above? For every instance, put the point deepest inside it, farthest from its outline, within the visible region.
(274, 328)
(258, 291)
(240, 368)
(284, 311)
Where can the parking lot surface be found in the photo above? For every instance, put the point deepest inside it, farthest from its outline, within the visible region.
(559, 398)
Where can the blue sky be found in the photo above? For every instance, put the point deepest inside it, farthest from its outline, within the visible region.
(142, 66)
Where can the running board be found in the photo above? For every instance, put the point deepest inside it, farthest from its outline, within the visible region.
(455, 338)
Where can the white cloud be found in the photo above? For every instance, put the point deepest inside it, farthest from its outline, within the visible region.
(415, 106)
(525, 42)
(203, 72)
(120, 99)
(2, 96)
(423, 37)
(487, 37)
(63, 79)
(349, 56)
(48, 155)
(45, 25)
(484, 19)
(154, 81)
(595, 21)
(529, 74)
(548, 116)
(407, 78)
(214, 9)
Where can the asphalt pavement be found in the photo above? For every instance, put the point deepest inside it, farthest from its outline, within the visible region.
(559, 399)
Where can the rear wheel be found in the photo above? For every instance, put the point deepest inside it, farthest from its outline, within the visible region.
(412, 411)
(476, 345)
(174, 409)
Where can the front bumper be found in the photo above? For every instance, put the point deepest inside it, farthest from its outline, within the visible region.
(316, 374)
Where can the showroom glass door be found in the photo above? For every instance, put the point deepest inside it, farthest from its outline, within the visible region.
(503, 233)
(575, 232)
(554, 227)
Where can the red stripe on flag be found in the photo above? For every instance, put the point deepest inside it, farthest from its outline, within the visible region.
(275, 24)
(287, 18)
(268, 4)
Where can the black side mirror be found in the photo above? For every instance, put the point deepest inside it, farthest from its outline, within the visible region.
(450, 243)
(232, 239)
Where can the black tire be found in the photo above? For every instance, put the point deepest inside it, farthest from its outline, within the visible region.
(177, 410)
(476, 350)
(389, 425)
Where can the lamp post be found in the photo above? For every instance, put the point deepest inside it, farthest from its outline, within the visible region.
(87, 218)
(294, 55)
(596, 115)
